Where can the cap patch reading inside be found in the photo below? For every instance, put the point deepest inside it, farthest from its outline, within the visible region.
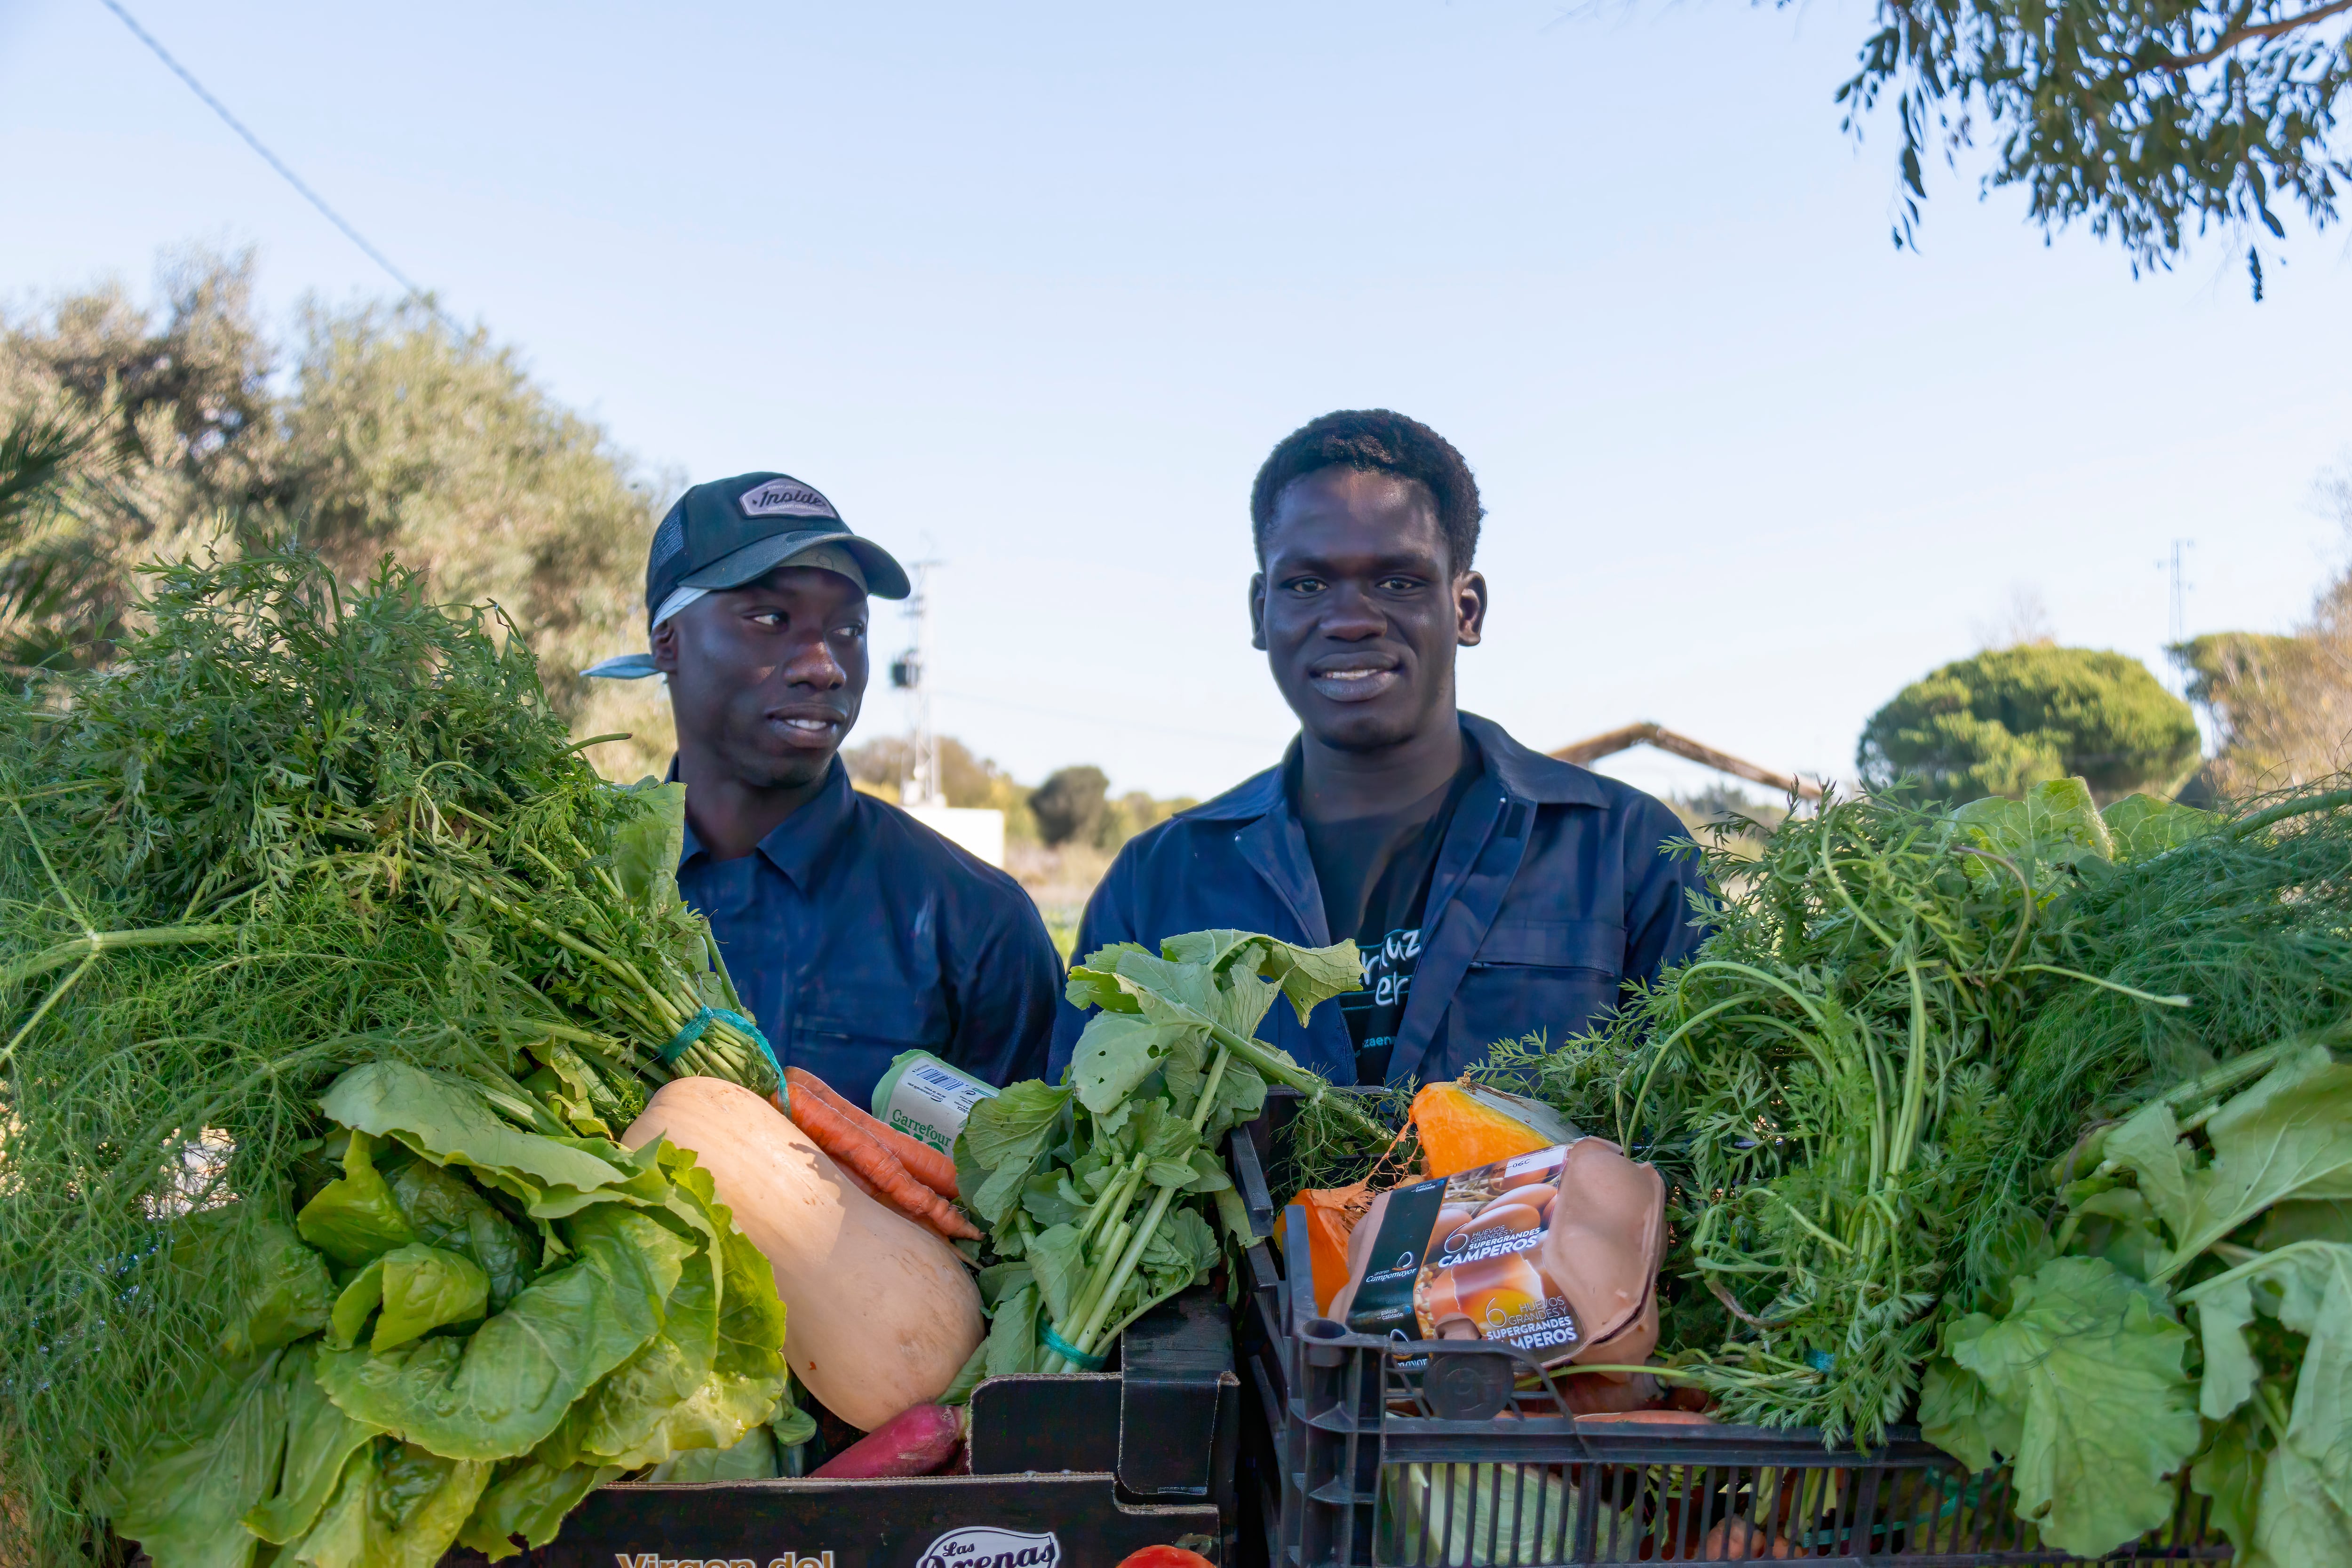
(784, 497)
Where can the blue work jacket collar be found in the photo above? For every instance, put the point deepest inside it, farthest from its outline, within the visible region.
(801, 844)
(1524, 774)
(1475, 865)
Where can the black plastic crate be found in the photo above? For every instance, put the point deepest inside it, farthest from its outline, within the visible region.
(1067, 1472)
(1454, 1454)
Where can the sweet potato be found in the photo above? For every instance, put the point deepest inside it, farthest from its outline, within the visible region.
(914, 1442)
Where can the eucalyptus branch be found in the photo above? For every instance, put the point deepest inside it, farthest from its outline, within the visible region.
(2242, 31)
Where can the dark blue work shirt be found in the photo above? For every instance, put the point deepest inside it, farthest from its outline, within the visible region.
(854, 933)
(1549, 892)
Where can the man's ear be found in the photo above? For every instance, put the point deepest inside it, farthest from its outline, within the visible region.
(664, 644)
(1257, 611)
(1469, 609)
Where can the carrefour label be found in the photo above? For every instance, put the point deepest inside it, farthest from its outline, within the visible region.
(927, 1099)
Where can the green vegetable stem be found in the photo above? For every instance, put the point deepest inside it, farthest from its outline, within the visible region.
(1092, 1189)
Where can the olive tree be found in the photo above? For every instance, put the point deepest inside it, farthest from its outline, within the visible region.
(166, 431)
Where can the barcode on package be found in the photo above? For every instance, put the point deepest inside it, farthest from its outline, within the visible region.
(930, 1104)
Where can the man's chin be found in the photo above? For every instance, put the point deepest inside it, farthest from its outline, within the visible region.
(1354, 730)
(792, 770)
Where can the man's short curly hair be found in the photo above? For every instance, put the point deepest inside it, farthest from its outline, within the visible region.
(1382, 441)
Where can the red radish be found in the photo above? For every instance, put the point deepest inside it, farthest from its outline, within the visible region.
(914, 1442)
(1164, 1557)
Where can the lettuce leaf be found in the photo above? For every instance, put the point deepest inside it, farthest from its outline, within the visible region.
(445, 1210)
(319, 1440)
(184, 1497)
(2143, 825)
(1958, 1413)
(2057, 823)
(397, 1506)
(354, 1216)
(2091, 1361)
(287, 1291)
(2287, 1136)
(500, 1391)
(425, 1288)
(529, 1499)
(451, 1123)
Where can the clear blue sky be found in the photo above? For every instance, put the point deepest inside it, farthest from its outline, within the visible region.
(1041, 284)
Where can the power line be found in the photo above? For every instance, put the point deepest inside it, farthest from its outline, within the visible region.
(272, 159)
(1105, 721)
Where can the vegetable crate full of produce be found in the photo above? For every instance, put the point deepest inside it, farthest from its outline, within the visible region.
(1065, 1470)
(1450, 1454)
(1980, 1191)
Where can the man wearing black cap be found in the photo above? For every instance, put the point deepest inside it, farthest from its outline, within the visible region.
(852, 930)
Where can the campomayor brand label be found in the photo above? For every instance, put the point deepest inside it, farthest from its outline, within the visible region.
(1384, 1302)
(984, 1546)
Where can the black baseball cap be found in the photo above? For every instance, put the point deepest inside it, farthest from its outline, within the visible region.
(727, 532)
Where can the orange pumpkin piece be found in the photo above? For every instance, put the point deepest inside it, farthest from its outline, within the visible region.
(1463, 1127)
(1332, 1216)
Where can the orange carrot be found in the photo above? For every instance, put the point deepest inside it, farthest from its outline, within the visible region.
(923, 1163)
(879, 1169)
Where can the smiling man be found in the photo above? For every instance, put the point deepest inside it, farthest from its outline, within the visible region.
(1492, 890)
(852, 930)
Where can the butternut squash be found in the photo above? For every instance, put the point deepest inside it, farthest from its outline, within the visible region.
(1464, 1125)
(879, 1313)
(1331, 1213)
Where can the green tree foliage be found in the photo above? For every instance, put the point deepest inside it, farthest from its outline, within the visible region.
(1069, 804)
(2150, 121)
(2010, 719)
(390, 435)
(2281, 703)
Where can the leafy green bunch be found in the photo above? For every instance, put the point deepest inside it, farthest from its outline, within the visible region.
(271, 727)
(478, 1319)
(1823, 1085)
(1090, 1188)
(2203, 1216)
(2229, 1208)
(293, 830)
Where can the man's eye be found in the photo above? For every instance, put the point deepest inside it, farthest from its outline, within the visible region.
(1306, 585)
(768, 618)
(849, 631)
(1400, 584)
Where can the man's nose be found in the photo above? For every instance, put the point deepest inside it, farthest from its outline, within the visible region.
(812, 664)
(1350, 616)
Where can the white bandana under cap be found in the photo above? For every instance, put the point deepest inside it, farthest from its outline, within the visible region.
(637, 666)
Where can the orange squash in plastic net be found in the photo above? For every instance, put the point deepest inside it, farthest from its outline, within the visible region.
(1463, 1126)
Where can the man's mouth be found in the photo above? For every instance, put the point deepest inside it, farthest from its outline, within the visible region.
(808, 729)
(1355, 680)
